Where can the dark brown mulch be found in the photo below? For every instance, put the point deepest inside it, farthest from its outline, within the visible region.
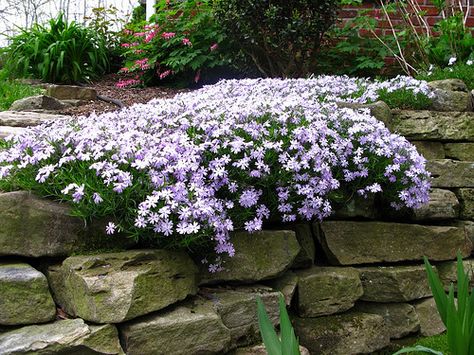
(128, 96)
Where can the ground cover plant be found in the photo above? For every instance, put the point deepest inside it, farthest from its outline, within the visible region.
(187, 171)
(462, 71)
(59, 52)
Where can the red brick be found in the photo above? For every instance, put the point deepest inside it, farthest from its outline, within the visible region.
(429, 10)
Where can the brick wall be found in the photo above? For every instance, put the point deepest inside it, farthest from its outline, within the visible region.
(383, 26)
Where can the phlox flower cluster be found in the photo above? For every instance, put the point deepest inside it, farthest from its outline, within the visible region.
(232, 155)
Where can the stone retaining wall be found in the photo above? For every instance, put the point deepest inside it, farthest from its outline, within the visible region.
(353, 284)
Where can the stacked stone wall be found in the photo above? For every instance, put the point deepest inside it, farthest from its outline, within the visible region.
(353, 284)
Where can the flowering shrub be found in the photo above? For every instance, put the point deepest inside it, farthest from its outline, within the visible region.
(182, 38)
(189, 170)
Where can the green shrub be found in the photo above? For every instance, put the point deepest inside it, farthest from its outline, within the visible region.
(61, 53)
(281, 38)
(461, 71)
(181, 38)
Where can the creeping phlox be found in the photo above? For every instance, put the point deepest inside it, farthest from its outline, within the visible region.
(227, 156)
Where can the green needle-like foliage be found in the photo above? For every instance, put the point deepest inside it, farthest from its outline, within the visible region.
(288, 343)
(61, 53)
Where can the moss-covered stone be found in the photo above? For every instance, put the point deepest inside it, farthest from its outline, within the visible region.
(304, 235)
(36, 227)
(71, 336)
(430, 321)
(466, 199)
(459, 151)
(350, 243)
(327, 290)
(24, 295)
(286, 285)
(394, 283)
(443, 205)
(237, 308)
(434, 126)
(190, 328)
(400, 318)
(447, 272)
(258, 256)
(114, 287)
(430, 150)
(343, 334)
(451, 173)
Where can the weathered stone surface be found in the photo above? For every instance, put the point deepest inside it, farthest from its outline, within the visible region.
(466, 199)
(24, 295)
(400, 318)
(459, 151)
(343, 334)
(26, 119)
(286, 284)
(258, 256)
(430, 150)
(394, 283)
(447, 100)
(304, 235)
(71, 92)
(349, 243)
(449, 85)
(380, 110)
(260, 350)
(6, 131)
(114, 287)
(431, 125)
(191, 328)
(71, 336)
(237, 308)
(327, 290)
(451, 173)
(468, 227)
(447, 272)
(443, 204)
(36, 227)
(38, 102)
(430, 321)
(357, 207)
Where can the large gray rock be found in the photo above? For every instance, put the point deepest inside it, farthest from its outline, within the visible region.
(26, 119)
(394, 283)
(39, 102)
(466, 198)
(449, 85)
(459, 151)
(443, 205)
(237, 308)
(71, 336)
(24, 295)
(451, 173)
(447, 100)
(258, 256)
(191, 328)
(400, 318)
(447, 272)
(286, 284)
(6, 131)
(343, 334)
(379, 109)
(327, 290)
(36, 227)
(349, 243)
(430, 321)
(430, 150)
(71, 92)
(431, 125)
(114, 287)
